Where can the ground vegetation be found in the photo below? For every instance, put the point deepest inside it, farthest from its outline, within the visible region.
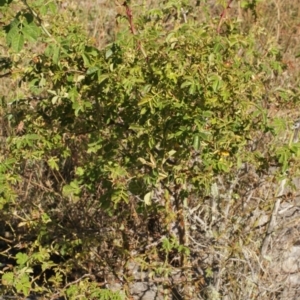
(148, 149)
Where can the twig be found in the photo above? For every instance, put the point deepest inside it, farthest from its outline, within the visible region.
(37, 18)
(5, 74)
(229, 194)
(222, 16)
(129, 17)
(132, 28)
(40, 22)
(270, 229)
(5, 240)
(184, 15)
(155, 243)
(278, 21)
(28, 185)
(69, 284)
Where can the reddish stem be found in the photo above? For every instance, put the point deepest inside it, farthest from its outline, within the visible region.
(132, 29)
(130, 18)
(222, 16)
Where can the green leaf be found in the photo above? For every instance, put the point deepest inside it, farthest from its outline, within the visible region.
(146, 99)
(47, 265)
(72, 190)
(23, 284)
(94, 147)
(86, 62)
(56, 53)
(223, 166)
(186, 83)
(196, 142)
(22, 258)
(167, 245)
(108, 53)
(31, 32)
(209, 273)
(52, 7)
(92, 70)
(148, 198)
(216, 82)
(32, 137)
(8, 278)
(118, 196)
(45, 218)
(17, 41)
(102, 77)
(53, 163)
(79, 171)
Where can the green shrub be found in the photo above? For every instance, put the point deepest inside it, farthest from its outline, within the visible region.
(109, 140)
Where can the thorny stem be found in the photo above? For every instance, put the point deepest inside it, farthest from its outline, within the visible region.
(129, 16)
(223, 14)
(132, 29)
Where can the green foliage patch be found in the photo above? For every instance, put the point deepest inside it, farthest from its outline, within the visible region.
(106, 143)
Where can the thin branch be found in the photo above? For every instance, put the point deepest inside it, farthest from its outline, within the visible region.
(223, 14)
(132, 28)
(37, 18)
